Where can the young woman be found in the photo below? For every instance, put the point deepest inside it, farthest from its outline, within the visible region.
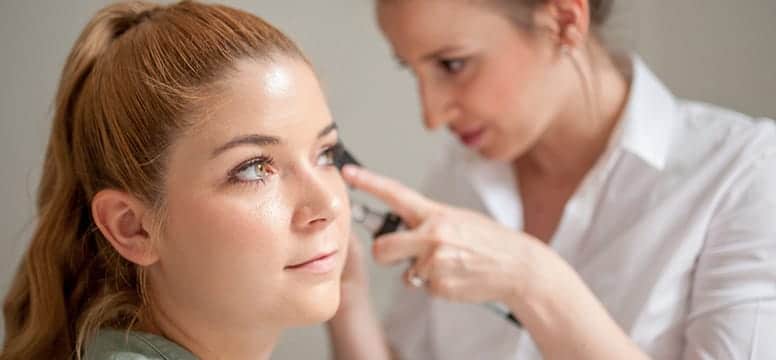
(189, 205)
(623, 223)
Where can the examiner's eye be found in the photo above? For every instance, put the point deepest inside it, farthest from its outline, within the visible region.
(452, 66)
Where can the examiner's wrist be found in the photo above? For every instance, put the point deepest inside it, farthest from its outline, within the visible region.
(538, 282)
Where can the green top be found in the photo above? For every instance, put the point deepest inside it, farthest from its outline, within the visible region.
(133, 345)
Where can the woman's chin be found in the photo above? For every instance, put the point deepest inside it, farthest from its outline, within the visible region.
(318, 306)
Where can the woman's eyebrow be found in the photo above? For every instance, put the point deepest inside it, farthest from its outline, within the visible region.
(329, 128)
(250, 139)
(262, 140)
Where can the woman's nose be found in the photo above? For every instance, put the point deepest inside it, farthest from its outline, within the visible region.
(318, 202)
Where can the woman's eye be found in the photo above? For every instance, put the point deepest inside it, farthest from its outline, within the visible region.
(327, 157)
(257, 170)
(452, 66)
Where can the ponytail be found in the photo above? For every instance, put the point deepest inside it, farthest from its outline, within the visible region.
(61, 268)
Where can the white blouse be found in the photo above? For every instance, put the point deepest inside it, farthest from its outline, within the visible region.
(674, 230)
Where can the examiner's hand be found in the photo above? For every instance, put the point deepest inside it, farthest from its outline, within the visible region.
(459, 254)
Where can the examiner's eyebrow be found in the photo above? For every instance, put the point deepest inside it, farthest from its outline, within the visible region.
(439, 53)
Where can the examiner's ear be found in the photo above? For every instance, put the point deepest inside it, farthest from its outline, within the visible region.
(569, 20)
(122, 220)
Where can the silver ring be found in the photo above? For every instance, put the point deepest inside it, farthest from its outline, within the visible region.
(417, 281)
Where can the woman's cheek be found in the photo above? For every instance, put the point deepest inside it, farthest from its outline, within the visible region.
(258, 226)
(235, 227)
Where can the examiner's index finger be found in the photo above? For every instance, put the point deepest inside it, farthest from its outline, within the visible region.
(407, 203)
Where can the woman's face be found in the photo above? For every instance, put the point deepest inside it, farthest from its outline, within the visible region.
(491, 83)
(257, 215)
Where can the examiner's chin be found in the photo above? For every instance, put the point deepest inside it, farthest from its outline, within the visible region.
(494, 152)
(501, 151)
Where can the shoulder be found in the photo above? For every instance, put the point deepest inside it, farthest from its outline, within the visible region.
(110, 344)
(711, 137)
(729, 160)
(689, 136)
(724, 128)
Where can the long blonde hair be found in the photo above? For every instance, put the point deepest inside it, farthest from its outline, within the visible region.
(133, 74)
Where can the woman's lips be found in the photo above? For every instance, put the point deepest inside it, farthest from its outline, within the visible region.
(319, 264)
(471, 138)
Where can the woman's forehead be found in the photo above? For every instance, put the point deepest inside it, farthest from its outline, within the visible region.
(282, 100)
(266, 96)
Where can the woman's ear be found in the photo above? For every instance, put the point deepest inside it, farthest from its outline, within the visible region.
(571, 21)
(121, 219)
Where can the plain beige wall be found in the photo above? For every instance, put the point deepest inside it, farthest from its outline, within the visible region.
(721, 51)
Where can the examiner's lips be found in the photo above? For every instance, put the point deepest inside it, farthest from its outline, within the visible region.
(471, 137)
(318, 264)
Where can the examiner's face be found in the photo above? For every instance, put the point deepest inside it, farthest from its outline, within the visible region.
(490, 82)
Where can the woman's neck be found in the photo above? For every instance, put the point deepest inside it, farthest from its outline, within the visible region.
(581, 131)
(208, 340)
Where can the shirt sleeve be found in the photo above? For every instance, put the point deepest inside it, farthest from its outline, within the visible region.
(733, 302)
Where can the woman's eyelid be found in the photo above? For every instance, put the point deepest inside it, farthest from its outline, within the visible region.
(328, 144)
(329, 149)
(265, 161)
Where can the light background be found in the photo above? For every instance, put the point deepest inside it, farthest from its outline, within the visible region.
(719, 51)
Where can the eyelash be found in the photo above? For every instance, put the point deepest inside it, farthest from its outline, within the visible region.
(268, 160)
(445, 65)
(333, 150)
(260, 160)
